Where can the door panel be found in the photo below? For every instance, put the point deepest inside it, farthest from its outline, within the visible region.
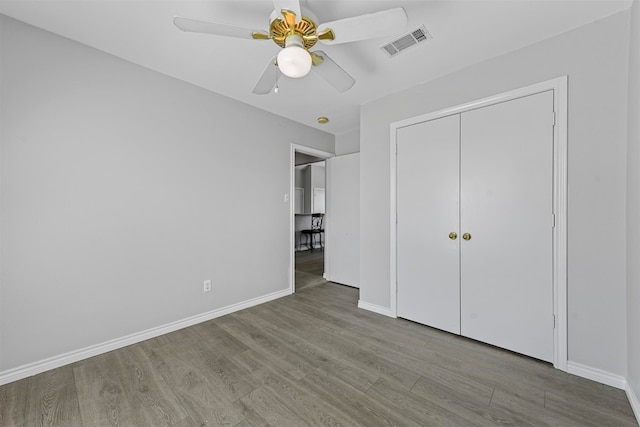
(342, 247)
(506, 206)
(428, 210)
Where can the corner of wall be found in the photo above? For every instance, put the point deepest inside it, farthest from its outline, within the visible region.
(633, 212)
(348, 142)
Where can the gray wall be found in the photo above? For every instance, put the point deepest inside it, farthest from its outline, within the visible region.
(633, 207)
(595, 59)
(303, 158)
(348, 142)
(299, 176)
(306, 179)
(122, 189)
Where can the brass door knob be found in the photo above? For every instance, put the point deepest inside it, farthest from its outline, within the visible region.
(453, 236)
(466, 236)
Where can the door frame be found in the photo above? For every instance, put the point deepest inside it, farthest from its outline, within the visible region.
(296, 148)
(559, 277)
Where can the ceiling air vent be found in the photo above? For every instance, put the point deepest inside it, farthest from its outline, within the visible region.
(406, 41)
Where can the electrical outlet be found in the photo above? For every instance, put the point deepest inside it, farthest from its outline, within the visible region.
(206, 287)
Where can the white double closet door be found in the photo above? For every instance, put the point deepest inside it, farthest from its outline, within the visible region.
(485, 174)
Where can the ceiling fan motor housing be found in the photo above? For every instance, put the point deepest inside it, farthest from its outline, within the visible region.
(280, 28)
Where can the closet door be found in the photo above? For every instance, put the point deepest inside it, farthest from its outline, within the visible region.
(506, 207)
(428, 211)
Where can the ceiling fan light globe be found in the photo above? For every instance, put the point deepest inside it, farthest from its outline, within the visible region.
(294, 61)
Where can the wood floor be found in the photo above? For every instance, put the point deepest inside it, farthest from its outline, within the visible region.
(309, 268)
(311, 358)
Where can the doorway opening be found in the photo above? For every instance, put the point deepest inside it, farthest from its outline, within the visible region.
(307, 216)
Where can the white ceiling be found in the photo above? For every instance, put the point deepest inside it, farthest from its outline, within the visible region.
(464, 32)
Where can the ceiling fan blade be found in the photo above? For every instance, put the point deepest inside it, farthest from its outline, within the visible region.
(331, 72)
(268, 79)
(290, 5)
(208, 27)
(379, 24)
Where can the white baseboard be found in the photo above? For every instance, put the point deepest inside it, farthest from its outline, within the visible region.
(40, 366)
(596, 374)
(375, 308)
(634, 401)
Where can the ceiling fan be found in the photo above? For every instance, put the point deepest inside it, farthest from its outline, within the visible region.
(296, 30)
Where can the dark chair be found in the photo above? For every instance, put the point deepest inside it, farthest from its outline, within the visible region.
(316, 229)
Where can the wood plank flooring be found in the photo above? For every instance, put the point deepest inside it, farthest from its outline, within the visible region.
(309, 268)
(312, 358)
